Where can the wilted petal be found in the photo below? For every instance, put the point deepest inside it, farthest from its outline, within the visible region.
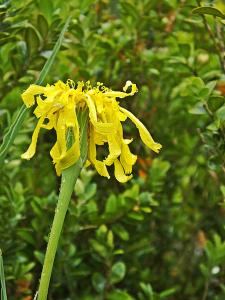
(32, 148)
(144, 133)
(28, 95)
(119, 172)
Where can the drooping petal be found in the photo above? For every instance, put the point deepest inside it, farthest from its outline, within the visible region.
(71, 156)
(119, 172)
(114, 149)
(61, 134)
(123, 94)
(52, 117)
(144, 133)
(127, 159)
(92, 109)
(99, 165)
(32, 148)
(99, 139)
(28, 95)
(134, 88)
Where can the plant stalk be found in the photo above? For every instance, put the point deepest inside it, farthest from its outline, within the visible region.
(69, 178)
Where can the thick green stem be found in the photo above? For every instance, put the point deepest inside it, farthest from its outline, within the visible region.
(69, 177)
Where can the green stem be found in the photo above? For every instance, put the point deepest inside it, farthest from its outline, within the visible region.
(2, 275)
(69, 177)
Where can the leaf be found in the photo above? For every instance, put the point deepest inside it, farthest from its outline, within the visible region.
(221, 113)
(27, 236)
(40, 256)
(215, 102)
(130, 10)
(98, 282)
(167, 293)
(118, 272)
(16, 125)
(32, 40)
(119, 295)
(90, 191)
(198, 109)
(208, 10)
(111, 205)
(136, 216)
(120, 231)
(47, 7)
(42, 25)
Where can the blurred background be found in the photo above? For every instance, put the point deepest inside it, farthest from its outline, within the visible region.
(161, 235)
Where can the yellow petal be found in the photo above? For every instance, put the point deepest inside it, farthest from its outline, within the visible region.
(121, 94)
(43, 107)
(92, 109)
(119, 172)
(52, 117)
(114, 149)
(99, 165)
(70, 158)
(127, 159)
(133, 87)
(144, 133)
(32, 148)
(99, 139)
(61, 133)
(28, 95)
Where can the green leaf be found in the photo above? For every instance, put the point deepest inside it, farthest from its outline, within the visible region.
(118, 272)
(136, 216)
(98, 282)
(215, 102)
(147, 289)
(208, 10)
(40, 256)
(32, 40)
(198, 109)
(27, 236)
(90, 191)
(111, 205)
(85, 4)
(121, 232)
(119, 295)
(221, 113)
(99, 248)
(42, 25)
(130, 10)
(16, 125)
(47, 8)
(167, 293)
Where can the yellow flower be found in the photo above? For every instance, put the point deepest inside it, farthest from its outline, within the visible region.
(56, 109)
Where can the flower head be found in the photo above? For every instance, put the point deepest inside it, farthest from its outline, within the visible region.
(56, 108)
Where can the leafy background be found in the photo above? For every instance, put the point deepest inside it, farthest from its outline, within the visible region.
(162, 235)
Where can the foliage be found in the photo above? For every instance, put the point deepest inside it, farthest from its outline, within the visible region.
(161, 235)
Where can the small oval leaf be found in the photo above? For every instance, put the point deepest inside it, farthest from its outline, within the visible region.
(208, 10)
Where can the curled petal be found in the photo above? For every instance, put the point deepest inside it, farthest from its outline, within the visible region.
(28, 95)
(144, 133)
(92, 109)
(127, 159)
(121, 94)
(133, 87)
(99, 165)
(119, 172)
(32, 148)
(114, 149)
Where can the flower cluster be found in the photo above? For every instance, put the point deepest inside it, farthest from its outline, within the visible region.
(57, 107)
